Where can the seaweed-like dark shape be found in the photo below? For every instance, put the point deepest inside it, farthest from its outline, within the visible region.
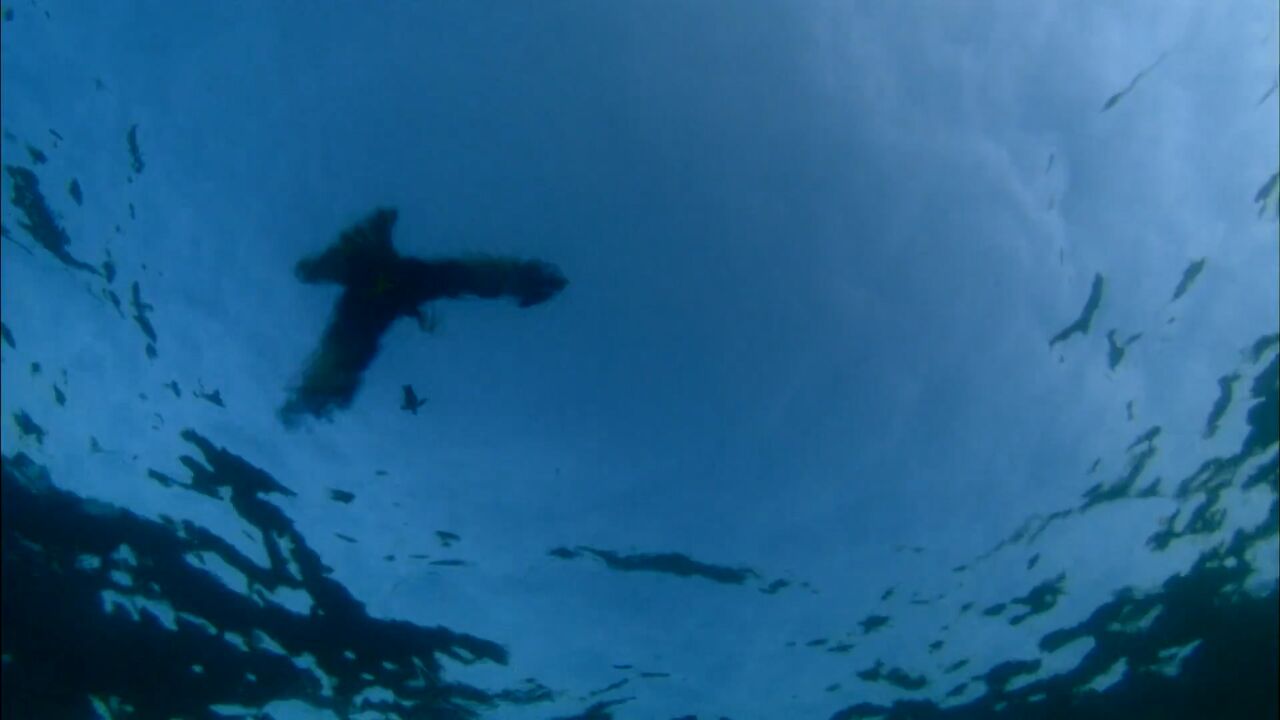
(872, 623)
(1082, 323)
(672, 564)
(1189, 276)
(1116, 348)
(27, 427)
(1269, 194)
(411, 401)
(135, 153)
(380, 286)
(40, 223)
(70, 563)
(897, 677)
(1111, 101)
(1226, 390)
(1270, 91)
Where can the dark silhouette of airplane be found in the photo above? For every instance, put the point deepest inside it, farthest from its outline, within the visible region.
(411, 402)
(379, 286)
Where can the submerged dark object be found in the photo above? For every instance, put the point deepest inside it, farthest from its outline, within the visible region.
(411, 400)
(379, 286)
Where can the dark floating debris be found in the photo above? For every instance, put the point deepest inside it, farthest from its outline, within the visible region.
(1081, 325)
(27, 427)
(59, 396)
(667, 563)
(214, 397)
(39, 221)
(1117, 349)
(1111, 101)
(775, 586)
(37, 156)
(341, 496)
(1226, 388)
(411, 402)
(7, 335)
(135, 154)
(872, 623)
(348, 538)
(173, 387)
(73, 189)
(447, 539)
(896, 677)
(1040, 599)
(1189, 276)
(1268, 196)
(1270, 91)
(123, 650)
(109, 268)
(140, 310)
(379, 286)
(114, 299)
(1262, 346)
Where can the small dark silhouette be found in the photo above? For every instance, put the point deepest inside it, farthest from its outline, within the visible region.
(379, 286)
(411, 402)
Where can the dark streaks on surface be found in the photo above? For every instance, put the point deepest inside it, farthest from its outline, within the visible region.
(135, 152)
(130, 656)
(1116, 349)
(1269, 196)
(28, 427)
(1270, 91)
(140, 310)
(894, 676)
(872, 623)
(1226, 389)
(774, 587)
(1189, 276)
(671, 563)
(1262, 346)
(1040, 599)
(1111, 101)
(213, 397)
(39, 221)
(1081, 325)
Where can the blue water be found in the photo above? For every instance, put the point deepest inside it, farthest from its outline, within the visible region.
(639, 360)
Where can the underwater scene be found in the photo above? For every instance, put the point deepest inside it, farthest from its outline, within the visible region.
(671, 360)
